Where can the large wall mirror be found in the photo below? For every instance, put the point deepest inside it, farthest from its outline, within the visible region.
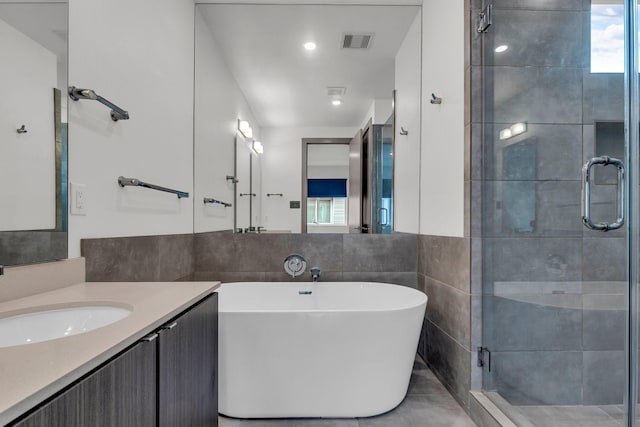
(33, 146)
(274, 84)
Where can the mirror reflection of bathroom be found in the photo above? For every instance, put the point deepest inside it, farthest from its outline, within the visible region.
(327, 176)
(306, 72)
(33, 153)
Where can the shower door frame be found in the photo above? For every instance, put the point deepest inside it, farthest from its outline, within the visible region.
(632, 151)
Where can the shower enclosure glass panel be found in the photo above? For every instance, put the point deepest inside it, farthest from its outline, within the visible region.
(382, 179)
(555, 294)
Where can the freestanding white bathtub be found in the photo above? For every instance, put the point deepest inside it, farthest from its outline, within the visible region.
(345, 350)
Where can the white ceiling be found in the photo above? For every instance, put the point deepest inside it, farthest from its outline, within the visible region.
(286, 85)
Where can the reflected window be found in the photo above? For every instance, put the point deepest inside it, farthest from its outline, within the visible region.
(327, 211)
(607, 37)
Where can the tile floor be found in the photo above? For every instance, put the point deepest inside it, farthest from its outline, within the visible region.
(428, 404)
(573, 416)
(559, 415)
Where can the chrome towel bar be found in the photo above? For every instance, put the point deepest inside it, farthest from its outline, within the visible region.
(217, 202)
(117, 113)
(137, 183)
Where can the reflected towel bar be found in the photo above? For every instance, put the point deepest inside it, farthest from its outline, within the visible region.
(137, 183)
(117, 113)
(217, 202)
(247, 194)
(275, 194)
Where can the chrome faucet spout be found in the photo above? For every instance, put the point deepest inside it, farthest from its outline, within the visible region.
(315, 274)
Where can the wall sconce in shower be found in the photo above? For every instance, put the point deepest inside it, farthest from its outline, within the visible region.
(257, 147)
(514, 130)
(245, 128)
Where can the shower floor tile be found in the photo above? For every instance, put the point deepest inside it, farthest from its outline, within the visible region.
(428, 404)
(569, 416)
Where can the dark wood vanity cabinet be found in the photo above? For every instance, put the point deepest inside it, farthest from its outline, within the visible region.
(120, 393)
(188, 368)
(167, 381)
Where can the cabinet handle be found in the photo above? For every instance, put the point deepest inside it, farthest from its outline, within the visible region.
(150, 337)
(171, 326)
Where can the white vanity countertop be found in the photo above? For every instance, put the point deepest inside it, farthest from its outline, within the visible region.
(31, 373)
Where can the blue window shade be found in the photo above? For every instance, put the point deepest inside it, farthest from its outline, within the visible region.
(326, 188)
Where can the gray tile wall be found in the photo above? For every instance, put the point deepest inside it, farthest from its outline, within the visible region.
(230, 257)
(29, 247)
(341, 257)
(138, 259)
(444, 274)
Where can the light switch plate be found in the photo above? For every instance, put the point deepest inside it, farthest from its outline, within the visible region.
(78, 199)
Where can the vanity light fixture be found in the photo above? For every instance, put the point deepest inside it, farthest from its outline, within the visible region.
(257, 147)
(501, 48)
(514, 130)
(245, 129)
(310, 46)
(336, 102)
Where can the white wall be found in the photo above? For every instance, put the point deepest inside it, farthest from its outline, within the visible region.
(282, 172)
(139, 55)
(219, 103)
(406, 177)
(328, 161)
(442, 158)
(379, 112)
(28, 76)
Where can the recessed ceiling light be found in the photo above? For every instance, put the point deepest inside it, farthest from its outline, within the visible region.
(336, 102)
(501, 48)
(310, 46)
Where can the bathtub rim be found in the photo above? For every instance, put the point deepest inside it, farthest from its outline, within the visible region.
(424, 299)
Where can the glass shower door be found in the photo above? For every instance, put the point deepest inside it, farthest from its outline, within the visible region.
(382, 179)
(556, 294)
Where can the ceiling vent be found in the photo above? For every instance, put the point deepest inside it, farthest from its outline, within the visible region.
(336, 91)
(356, 41)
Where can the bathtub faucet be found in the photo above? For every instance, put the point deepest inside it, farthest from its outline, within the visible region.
(315, 274)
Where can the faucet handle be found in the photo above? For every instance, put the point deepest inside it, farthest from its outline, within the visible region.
(295, 265)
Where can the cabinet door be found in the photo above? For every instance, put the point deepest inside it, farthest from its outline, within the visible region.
(121, 393)
(188, 365)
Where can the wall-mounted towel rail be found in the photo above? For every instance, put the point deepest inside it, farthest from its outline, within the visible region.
(137, 183)
(117, 113)
(247, 194)
(217, 202)
(275, 194)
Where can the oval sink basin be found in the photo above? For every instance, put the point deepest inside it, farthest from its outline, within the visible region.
(48, 325)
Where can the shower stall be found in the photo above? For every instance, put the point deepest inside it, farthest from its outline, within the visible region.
(556, 102)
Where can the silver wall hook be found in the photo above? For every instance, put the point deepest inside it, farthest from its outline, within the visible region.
(22, 129)
(403, 131)
(435, 99)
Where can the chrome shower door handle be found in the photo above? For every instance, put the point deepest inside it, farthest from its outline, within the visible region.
(586, 193)
(386, 216)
